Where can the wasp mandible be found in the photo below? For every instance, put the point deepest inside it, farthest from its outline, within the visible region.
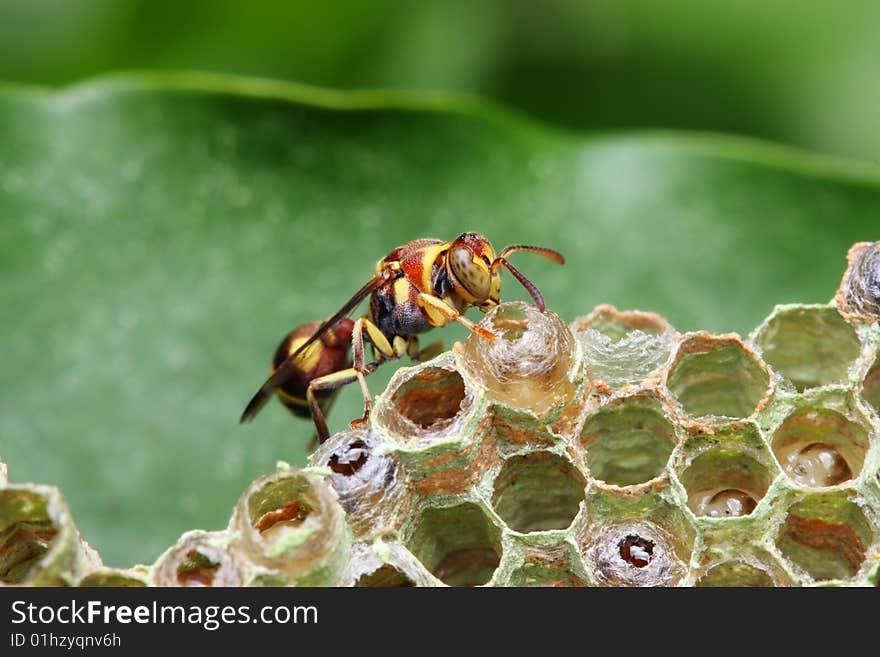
(421, 285)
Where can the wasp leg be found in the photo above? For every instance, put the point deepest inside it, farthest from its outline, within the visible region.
(402, 345)
(441, 313)
(380, 344)
(316, 439)
(332, 381)
(314, 442)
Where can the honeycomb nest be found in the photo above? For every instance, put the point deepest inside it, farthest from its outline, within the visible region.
(614, 451)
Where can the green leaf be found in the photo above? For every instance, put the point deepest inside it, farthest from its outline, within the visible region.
(161, 233)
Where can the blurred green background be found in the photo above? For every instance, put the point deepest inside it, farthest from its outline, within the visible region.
(803, 72)
(160, 233)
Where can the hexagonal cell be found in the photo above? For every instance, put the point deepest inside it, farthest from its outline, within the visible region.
(381, 564)
(290, 522)
(809, 345)
(430, 399)
(726, 474)
(113, 577)
(635, 554)
(384, 577)
(826, 535)
(39, 543)
(198, 559)
(458, 544)
(628, 441)
(197, 569)
(718, 376)
(859, 290)
(643, 541)
(27, 533)
(819, 447)
(425, 403)
(623, 347)
(529, 365)
(367, 480)
(537, 492)
(279, 506)
(871, 386)
(434, 422)
(541, 574)
(735, 573)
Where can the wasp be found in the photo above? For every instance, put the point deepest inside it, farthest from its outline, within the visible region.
(424, 284)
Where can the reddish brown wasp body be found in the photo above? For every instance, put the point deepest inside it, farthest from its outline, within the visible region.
(329, 353)
(421, 285)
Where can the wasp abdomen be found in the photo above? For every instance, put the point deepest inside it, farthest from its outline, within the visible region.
(327, 355)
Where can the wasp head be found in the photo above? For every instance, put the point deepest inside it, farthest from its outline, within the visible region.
(469, 265)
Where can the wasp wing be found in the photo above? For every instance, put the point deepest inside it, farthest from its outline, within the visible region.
(281, 374)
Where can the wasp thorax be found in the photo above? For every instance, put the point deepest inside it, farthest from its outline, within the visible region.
(527, 366)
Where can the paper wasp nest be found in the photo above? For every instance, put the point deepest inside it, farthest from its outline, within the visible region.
(613, 451)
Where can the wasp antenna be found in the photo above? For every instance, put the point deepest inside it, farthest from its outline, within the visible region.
(532, 289)
(550, 254)
(526, 283)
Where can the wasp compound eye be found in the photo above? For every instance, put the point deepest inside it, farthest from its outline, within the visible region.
(473, 276)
